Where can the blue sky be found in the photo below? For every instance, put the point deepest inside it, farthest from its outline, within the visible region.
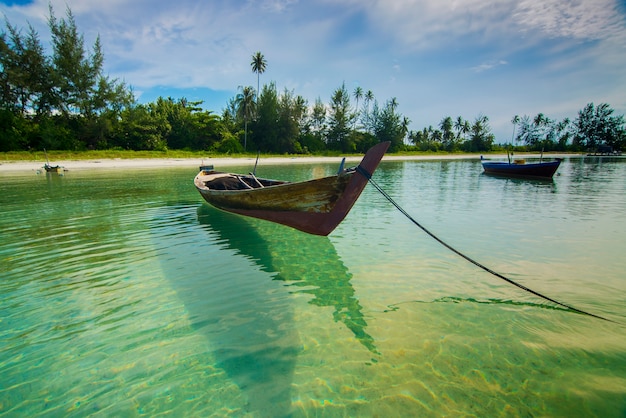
(466, 58)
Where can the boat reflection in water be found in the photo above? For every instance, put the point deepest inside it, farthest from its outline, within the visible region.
(298, 259)
(238, 293)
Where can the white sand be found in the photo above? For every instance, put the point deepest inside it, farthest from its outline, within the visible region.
(118, 163)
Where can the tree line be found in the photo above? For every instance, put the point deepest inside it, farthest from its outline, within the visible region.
(595, 127)
(65, 101)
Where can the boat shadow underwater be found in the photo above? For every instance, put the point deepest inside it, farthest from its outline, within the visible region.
(236, 277)
(296, 261)
(300, 260)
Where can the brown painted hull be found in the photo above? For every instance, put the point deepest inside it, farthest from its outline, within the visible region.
(314, 206)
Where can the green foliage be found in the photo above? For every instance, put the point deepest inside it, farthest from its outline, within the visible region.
(210, 130)
(388, 125)
(80, 85)
(447, 133)
(339, 121)
(317, 122)
(12, 131)
(481, 138)
(596, 126)
(364, 141)
(291, 111)
(26, 84)
(455, 135)
(229, 145)
(311, 143)
(63, 100)
(265, 127)
(428, 139)
(246, 109)
(142, 128)
(57, 133)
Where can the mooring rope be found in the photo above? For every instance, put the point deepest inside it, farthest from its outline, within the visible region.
(476, 263)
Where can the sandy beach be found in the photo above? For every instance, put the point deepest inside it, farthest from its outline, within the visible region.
(7, 167)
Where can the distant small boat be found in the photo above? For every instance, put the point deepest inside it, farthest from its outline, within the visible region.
(605, 151)
(314, 206)
(52, 168)
(520, 168)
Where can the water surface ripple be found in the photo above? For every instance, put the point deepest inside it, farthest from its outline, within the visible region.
(123, 294)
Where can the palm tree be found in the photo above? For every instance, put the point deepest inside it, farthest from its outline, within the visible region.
(562, 132)
(405, 127)
(458, 126)
(318, 117)
(446, 125)
(393, 103)
(246, 107)
(258, 66)
(358, 94)
(369, 97)
(466, 129)
(514, 121)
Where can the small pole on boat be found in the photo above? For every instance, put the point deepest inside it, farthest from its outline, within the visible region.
(46, 154)
(258, 152)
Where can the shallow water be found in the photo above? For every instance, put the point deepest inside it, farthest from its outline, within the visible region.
(123, 294)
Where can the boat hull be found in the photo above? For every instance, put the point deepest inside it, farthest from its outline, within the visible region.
(53, 169)
(314, 206)
(543, 170)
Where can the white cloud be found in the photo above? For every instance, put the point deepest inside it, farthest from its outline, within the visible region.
(277, 6)
(488, 66)
(579, 19)
(430, 24)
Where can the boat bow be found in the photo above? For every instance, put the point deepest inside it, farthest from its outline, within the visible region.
(314, 206)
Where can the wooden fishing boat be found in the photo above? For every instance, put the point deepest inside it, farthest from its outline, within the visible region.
(520, 168)
(314, 206)
(53, 168)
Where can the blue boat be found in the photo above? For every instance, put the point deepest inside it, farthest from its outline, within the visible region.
(520, 168)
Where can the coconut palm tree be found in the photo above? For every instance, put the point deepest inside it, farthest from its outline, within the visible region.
(540, 119)
(246, 107)
(405, 127)
(458, 126)
(466, 128)
(393, 103)
(258, 65)
(514, 121)
(358, 95)
(446, 126)
(369, 97)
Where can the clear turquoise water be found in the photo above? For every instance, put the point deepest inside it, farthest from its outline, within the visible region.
(123, 294)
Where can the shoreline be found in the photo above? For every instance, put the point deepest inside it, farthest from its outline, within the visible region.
(17, 167)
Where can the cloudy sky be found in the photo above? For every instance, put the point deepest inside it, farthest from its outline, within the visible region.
(438, 58)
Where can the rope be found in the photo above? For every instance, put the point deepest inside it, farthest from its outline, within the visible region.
(476, 263)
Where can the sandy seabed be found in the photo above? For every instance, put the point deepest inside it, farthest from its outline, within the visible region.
(119, 163)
